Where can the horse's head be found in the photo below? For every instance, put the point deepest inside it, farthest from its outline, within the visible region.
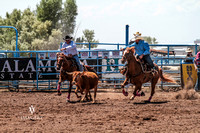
(128, 54)
(60, 58)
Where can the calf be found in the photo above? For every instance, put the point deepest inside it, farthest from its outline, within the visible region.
(85, 81)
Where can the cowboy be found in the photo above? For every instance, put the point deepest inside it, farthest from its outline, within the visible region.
(142, 49)
(197, 67)
(189, 56)
(70, 50)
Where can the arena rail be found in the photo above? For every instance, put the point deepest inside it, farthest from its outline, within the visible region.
(41, 74)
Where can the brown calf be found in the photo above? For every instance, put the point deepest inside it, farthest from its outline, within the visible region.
(85, 81)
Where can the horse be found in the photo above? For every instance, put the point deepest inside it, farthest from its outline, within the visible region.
(137, 76)
(68, 64)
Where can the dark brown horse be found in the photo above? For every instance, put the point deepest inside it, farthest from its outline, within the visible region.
(137, 76)
(68, 64)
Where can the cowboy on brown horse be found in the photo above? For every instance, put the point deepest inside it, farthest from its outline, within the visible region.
(70, 50)
(135, 73)
(142, 49)
(65, 65)
(136, 76)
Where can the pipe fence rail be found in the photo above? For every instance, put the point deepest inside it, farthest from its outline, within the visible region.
(40, 71)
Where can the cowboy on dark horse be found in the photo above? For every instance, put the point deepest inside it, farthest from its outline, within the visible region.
(142, 49)
(70, 50)
(68, 61)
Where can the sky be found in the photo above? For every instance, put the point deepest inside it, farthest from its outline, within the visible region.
(169, 21)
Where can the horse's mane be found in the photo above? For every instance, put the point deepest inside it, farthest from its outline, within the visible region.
(132, 49)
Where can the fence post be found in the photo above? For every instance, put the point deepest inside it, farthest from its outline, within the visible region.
(89, 48)
(127, 34)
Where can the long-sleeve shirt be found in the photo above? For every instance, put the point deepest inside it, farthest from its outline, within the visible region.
(197, 60)
(70, 48)
(141, 48)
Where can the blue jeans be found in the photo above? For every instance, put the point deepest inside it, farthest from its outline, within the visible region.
(78, 62)
(148, 60)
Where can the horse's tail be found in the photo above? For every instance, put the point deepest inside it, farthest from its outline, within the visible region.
(165, 77)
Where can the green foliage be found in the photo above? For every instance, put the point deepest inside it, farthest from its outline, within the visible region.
(7, 35)
(43, 29)
(69, 17)
(80, 40)
(54, 40)
(150, 40)
(88, 37)
(30, 31)
(49, 10)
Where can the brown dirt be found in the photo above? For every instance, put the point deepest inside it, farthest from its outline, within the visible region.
(113, 112)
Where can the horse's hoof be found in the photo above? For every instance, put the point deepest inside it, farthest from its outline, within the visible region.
(142, 93)
(147, 101)
(59, 94)
(132, 98)
(124, 92)
(68, 101)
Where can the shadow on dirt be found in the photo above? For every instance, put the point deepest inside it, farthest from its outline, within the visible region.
(147, 102)
(90, 103)
(85, 102)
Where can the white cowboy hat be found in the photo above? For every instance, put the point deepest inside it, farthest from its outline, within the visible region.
(138, 36)
(188, 50)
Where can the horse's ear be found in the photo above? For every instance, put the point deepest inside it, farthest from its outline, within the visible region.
(57, 54)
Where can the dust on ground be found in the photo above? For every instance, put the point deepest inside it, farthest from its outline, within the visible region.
(113, 112)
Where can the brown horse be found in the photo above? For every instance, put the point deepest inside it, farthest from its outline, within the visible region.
(68, 64)
(137, 76)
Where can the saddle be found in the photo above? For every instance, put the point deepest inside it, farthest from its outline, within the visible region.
(146, 68)
(74, 63)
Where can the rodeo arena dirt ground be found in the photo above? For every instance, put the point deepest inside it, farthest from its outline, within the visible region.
(113, 112)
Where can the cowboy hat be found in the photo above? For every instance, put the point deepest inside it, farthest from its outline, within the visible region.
(188, 50)
(138, 36)
(67, 37)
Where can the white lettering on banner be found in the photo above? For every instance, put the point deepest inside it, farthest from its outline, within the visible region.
(30, 65)
(30, 75)
(21, 76)
(47, 64)
(2, 76)
(6, 65)
(55, 64)
(11, 75)
(39, 76)
(17, 65)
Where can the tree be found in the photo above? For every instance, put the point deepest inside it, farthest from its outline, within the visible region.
(69, 14)
(80, 40)
(150, 40)
(32, 33)
(154, 41)
(54, 40)
(49, 10)
(7, 35)
(88, 37)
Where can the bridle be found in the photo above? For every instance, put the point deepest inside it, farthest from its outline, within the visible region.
(59, 62)
(126, 55)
